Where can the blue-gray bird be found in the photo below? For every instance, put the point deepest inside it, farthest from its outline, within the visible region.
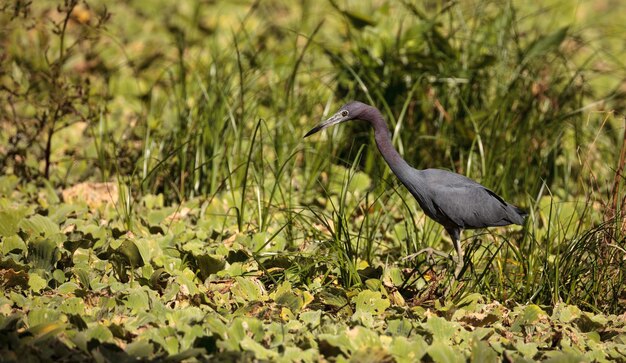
(452, 200)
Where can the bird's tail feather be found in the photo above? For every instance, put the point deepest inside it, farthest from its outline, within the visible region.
(520, 214)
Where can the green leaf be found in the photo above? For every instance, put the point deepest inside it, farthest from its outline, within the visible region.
(588, 322)
(399, 327)
(187, 281)
(267, 242)
(216, 325)
(241, 328)
(43, 254)
(393, 275)
(8, 183)
(137, 301)
(333, 297)
(73, 306)
(441, 352)
(482, 352)
(67, 288)
(58, 213)
(371, 302)
(152, 201)
(10, 220)
(247, 290)
(19, 300)
(13, 243)
(59, 276)
(527, 350)
(148, 249)
(295, 354)
(44, 331)
(362, 338)
(529, 315)
(129, 250)
(156, 217)
(140, 348)
(341, 341)
(38, 225)
(260, 352)
(289, 300)
(311, 318)
(374, 354)
(209, 265)
(470, 302)
(192, 332)
(42, 316)
(36, 282)
(440, 328)
(373, 284)
(100, 333)
(408, 350)
(83, 277)
(566, 313)
(562, 357)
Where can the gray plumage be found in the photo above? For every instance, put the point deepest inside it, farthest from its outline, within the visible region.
(452, 200)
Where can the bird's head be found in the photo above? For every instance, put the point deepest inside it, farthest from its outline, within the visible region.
(350, 111)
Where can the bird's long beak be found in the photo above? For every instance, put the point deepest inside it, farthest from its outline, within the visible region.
(333, 120)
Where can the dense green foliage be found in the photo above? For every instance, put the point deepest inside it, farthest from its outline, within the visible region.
(157, 198)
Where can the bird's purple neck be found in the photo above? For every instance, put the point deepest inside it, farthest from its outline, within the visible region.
(383, 140)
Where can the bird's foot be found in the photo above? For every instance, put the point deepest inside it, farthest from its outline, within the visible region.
(429, 251)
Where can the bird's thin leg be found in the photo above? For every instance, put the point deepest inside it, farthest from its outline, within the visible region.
(455, 234)
(459, 260)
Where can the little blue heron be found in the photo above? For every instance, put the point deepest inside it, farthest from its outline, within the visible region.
(452, 200)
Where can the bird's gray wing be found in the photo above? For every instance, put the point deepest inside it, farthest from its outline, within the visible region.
(471, 206)
(466, 203)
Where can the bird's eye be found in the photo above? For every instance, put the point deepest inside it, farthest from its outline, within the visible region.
(344, 113)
